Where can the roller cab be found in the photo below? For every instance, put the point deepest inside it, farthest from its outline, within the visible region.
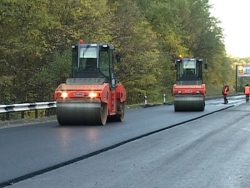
(92, 95)
(189, 90)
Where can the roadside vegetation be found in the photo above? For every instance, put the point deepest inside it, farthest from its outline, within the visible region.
(36, 37)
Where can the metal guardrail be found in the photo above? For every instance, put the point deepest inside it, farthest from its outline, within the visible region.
(48, 106)
(27, 107)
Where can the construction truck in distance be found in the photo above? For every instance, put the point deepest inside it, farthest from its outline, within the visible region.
(92, 95)
(189, 90)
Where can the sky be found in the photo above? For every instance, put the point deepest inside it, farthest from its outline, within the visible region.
(235, 20)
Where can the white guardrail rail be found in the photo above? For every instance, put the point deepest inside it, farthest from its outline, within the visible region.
(27, 107)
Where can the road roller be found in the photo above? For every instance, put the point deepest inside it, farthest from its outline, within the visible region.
(189, 90)
(92, 95)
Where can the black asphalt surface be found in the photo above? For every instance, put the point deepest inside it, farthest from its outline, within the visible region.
(32, 148)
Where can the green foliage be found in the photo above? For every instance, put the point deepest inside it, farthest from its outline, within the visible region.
(36, 39)
(137, 44)
(43, 82)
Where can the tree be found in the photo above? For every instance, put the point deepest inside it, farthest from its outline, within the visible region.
(139, 68)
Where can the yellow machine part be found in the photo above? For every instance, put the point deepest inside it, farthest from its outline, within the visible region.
(189, 102)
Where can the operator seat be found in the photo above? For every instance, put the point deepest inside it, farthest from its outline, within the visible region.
(91, 64)
(189, 72)
(188, 75)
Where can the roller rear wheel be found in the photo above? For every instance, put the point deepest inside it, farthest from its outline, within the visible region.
(120, 113)
(103, 114)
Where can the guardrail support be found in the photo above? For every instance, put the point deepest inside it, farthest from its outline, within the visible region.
(47, 112)
(7, 116)
(22, 114)
(145, 100)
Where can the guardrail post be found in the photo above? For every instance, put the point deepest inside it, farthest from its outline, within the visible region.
(36, 113)
(7, 115)
(22, 114)
(52, 111)
(47, 112)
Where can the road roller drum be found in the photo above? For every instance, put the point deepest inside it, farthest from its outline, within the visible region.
(189, 103)
(81, 113)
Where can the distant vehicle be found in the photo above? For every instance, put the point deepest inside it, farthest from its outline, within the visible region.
(189, 90)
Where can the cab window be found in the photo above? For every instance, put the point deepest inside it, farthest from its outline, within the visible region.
(104, 62)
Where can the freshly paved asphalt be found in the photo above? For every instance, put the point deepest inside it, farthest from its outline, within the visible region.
(175, 157)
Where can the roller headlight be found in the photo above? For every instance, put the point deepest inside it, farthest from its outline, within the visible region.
(64, 94)
(93, 94)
